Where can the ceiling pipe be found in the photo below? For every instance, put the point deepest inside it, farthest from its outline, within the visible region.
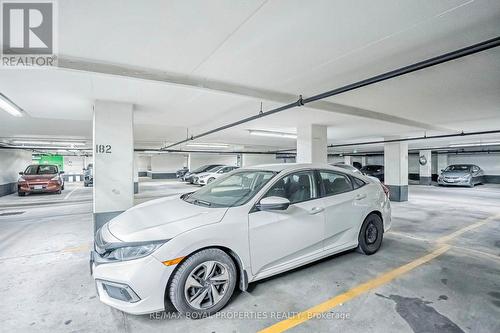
(491, 43)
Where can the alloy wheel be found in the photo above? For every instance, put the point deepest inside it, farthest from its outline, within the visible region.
(206, 285)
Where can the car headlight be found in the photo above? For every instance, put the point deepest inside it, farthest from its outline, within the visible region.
(203, 176)
(131, 252)
(21, 179)
(466, 177)
(55, 178)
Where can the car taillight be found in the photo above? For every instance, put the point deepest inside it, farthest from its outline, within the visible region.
(386, 190)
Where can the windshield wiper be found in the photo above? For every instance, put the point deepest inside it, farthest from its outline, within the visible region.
(202, 203)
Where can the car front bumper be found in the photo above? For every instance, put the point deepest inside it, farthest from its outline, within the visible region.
(47, 187)
(146, 277)
(454, 182)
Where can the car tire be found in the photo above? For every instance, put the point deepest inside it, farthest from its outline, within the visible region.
(21, 194)
(371, 235)
(62, 188)
(214, 288)
(210, 180)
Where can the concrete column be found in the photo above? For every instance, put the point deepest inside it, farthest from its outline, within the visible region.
(363, 161)
(396, 170)
(442, 162)
(136, 173)
(425, 162)
(348, 160)
(113, 137)
(311, 144)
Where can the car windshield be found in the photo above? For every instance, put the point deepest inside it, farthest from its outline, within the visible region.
(458, 167)
(214, 169)
(41, 170)
(233, 190)
(203, 168)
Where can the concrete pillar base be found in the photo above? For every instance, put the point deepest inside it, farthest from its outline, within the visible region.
(136, 187)
(101, 219)
(425, 180)
(398, 193)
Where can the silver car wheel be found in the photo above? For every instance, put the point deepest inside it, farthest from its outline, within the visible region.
(206, 285)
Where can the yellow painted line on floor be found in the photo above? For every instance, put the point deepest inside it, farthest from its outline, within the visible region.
(81, 248)
(352, 293)
(473, 226)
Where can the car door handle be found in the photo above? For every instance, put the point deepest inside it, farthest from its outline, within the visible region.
(316, 210)
(360, 196)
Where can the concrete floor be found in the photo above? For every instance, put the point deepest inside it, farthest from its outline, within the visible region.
(46, 284)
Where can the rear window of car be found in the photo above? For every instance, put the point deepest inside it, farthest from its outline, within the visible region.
(335, 183)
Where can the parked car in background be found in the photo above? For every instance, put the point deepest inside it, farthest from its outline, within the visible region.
(40, 178)
(180, 173)
(88, 175)
(256, 222)
(376, 171)
(188, 176)
(461, 175)
(205, 178)
(347, 167)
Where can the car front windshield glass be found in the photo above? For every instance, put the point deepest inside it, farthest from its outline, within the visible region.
(458, 168)
(233, 190)
(41, 170)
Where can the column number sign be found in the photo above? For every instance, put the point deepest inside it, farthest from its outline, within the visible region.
(103, 149)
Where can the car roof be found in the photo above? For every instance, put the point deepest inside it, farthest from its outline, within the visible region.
(278, 167)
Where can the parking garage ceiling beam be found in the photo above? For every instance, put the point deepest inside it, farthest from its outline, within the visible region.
(92, 66)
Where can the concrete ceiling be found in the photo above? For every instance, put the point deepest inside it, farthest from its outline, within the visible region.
(265, 51)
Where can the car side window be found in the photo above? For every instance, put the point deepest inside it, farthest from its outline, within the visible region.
(358, 183)
(296, 187)
(335, 183)
(475, 169)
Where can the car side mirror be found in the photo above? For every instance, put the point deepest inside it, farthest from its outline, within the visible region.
(273, 203)
(21, 173)
(442, 170)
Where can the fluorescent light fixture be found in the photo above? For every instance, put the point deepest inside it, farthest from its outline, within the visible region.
(207, 145)
(273, 134)
(32, 142)
(475, 144)
(9, 106)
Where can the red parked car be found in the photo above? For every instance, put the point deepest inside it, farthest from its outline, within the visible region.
(43, 178)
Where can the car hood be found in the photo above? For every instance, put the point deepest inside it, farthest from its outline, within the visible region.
(202, 174)
(455, 173)
(162, 219)
(41, 177)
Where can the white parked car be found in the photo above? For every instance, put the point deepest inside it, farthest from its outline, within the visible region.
(205, 178)
(193, 250)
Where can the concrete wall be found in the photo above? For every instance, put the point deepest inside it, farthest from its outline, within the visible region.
(11, 162)
(490, 163)
(164, 166)
(256, 159)
(143, 163)
(196, 160)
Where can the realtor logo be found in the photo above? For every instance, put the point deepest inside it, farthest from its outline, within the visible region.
(28, 33)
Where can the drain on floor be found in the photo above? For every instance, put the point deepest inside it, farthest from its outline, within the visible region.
(10, 213)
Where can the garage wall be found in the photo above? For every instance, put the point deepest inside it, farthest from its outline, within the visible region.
(11, 162)
(164, 166)
(376, 159)
(197, 160)
(143, 165)
(256, 159)
(73, 166)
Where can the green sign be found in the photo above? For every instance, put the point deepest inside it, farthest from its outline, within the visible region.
(50, 159)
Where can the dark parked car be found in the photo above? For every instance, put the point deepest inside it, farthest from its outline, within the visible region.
(88, 175)
(180, 173)
(188, 177)
(40, 178)
(461, 175)
(376, 171)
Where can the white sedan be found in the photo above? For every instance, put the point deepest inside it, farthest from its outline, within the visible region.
(205, 178)
(193, 250)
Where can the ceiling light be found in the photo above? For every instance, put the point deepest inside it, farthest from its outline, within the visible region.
(27, 142)
(475, 144)
(273, 134)
(207, 145)
(9, 106)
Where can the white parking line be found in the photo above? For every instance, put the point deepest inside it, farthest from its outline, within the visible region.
(70, 193)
